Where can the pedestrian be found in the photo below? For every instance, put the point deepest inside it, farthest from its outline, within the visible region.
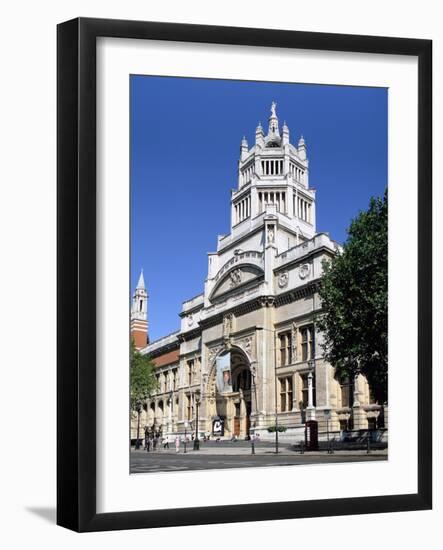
(154, 443)
(166, 442)
(148, 444)
(177, 443)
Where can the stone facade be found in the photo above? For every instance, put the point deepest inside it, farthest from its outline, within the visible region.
(257, 314)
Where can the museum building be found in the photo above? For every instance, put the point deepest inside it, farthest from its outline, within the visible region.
(248, 355)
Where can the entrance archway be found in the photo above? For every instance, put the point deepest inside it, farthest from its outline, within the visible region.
(235, 403)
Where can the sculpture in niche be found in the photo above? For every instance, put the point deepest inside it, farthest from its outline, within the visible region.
(271, 235)
(228, 321)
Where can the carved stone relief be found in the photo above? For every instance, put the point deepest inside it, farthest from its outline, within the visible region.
(236, 277)
(304, 271)
(283, 279)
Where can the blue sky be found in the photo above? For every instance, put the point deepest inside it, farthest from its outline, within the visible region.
(185, 140)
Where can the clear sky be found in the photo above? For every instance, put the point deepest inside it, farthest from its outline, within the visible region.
(185, 140)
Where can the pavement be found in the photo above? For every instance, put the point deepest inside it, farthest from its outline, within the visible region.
(227, 454)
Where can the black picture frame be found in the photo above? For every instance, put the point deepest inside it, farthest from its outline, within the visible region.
(76, 265)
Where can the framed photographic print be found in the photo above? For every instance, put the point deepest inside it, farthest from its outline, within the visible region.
(244, 274)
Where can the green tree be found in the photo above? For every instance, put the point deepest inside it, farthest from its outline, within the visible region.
(354, 293)
(143, 383)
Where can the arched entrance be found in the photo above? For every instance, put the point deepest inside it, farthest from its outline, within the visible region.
(234, 403)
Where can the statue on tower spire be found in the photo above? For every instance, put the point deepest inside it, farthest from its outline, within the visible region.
(273, 107)
(273, 131)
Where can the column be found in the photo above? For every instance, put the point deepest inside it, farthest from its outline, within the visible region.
(295, 391)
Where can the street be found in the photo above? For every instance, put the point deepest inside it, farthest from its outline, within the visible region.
(226, 454)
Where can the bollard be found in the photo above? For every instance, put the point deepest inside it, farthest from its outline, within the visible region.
(302, 448)
(368, 445)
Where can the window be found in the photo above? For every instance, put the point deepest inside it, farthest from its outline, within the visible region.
(190, 369)
(286, 394)
(285, 348)
(305, 390)
(189, 408)
(347, 392)
(174, 379)
(307, 343)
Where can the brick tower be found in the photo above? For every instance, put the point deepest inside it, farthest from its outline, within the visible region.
(139, 314)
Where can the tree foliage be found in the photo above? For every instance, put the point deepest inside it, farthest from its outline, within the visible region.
(354, 293)
(143, 380)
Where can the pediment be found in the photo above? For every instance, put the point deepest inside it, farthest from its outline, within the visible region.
(237, 277)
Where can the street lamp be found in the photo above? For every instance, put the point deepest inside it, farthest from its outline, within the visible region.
(196, 439)
(186, 435)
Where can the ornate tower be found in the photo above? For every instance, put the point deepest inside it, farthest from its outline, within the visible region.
(139, 314)
(273, 176)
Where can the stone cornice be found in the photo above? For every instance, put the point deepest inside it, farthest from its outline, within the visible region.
(241, 309)
(298, 293)
(189, 335)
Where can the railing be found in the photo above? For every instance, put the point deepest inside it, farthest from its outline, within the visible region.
(192, 302)
(248, 254)
(302, 249)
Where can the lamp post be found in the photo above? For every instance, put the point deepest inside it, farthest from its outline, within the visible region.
(186, 435)
(196, 439)
(311, 408)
